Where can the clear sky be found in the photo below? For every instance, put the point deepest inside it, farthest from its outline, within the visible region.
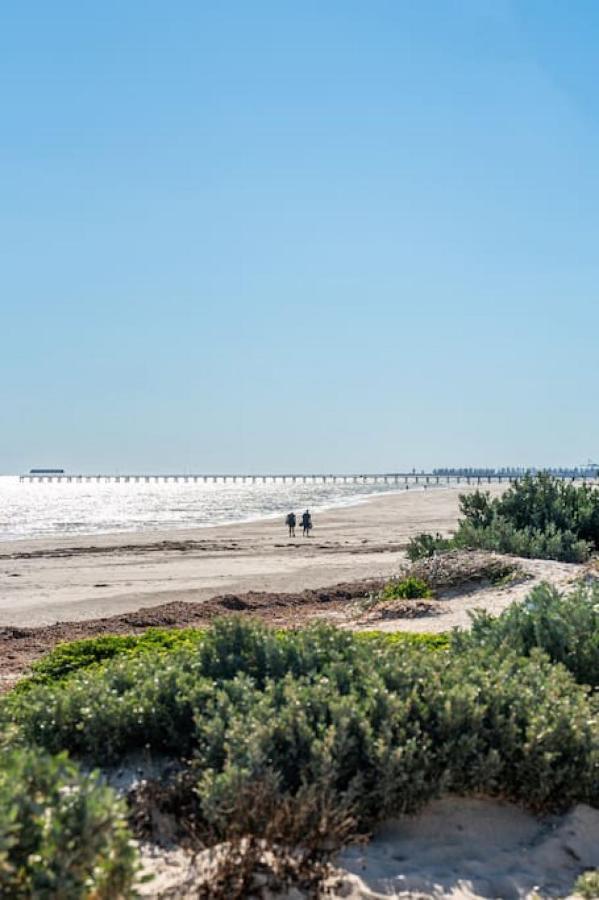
(298, 235)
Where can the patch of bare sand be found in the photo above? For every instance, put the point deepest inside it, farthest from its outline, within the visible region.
(453, 605)
(458, 848)
(475, 848)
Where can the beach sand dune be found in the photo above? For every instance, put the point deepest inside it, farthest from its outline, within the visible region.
(471, 848)
(458, 848)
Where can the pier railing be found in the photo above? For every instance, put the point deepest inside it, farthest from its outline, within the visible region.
(405, 478)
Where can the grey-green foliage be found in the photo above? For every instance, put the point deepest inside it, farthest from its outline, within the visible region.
(587, 885)
(564, 626)
(502, 536)
(423, 545)
(388, 726)
(540, 517)
(514, 727)
(62, 834)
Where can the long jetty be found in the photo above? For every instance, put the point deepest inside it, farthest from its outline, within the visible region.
(405, 478)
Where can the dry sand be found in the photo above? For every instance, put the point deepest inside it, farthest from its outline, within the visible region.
(458, 848)
(65, 579)
(453, 607)
(470, 848)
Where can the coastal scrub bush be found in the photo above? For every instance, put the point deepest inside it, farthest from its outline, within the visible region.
(565, 627)
(62, 834)
(408, 588)
(539, 516)
(382, 726)
(149, 700)
(541, 501)
(103, 711)
(519, 728)
(423, 545)
(587, 885)
(70, 657)
(502, 536)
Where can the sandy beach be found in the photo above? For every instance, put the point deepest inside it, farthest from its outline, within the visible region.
(61, 590)
(45, 581)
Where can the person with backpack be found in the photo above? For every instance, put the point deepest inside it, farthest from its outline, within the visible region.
(290, 522)
(307, 523)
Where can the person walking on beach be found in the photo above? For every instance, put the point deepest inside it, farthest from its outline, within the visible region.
(290, 522)
(306, 523)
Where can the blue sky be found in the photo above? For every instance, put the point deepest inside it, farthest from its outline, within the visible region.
(274, 235)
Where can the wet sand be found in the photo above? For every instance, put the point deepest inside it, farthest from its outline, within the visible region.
(44, 581)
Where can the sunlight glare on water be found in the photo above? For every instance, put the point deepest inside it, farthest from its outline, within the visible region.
(62, 508)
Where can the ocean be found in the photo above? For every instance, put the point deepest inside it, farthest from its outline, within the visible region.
(87, 508)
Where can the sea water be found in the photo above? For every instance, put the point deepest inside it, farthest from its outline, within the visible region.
(46, 509)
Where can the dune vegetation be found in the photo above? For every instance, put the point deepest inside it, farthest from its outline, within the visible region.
(308, 736)
(540, 517)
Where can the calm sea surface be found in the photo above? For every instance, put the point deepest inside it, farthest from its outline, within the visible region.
(43, 510)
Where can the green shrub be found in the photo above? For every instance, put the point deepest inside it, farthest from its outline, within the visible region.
(68, 658)
(565, 627)
(383, 725)
(409, 588)
(64, 659)
(428, 640)
(62, 834)
(424, 545)
(503, 537)
(519, 728)
(539, 516)
(150, 699)
(542, 501)
(587, 885)
(102, 712)
(315, 732)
